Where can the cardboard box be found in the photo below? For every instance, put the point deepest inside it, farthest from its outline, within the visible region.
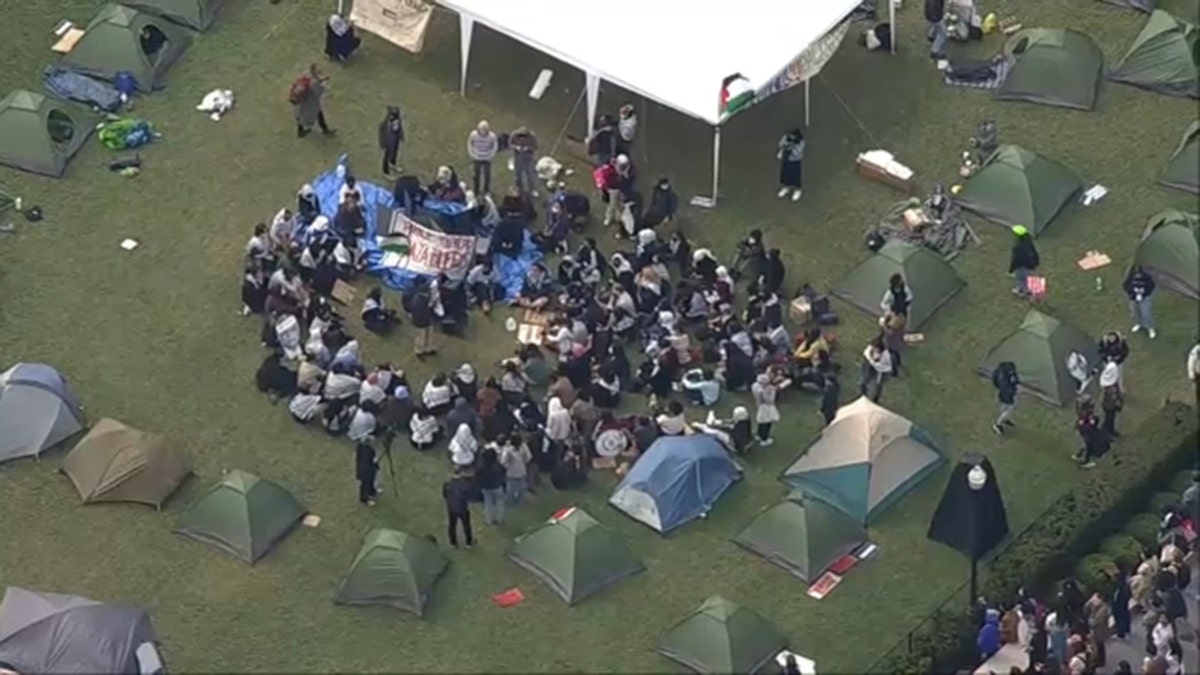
(801, 310)
(343, 292)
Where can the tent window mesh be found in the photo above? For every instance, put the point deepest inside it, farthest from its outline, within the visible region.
(153, 40)
(60, 127)
(1021, 46)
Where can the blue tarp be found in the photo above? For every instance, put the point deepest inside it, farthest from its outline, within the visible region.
(71, 86)
(510, 272)
(682, 476)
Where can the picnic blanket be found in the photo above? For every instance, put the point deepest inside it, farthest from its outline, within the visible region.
(1000, 69)
(510, 272)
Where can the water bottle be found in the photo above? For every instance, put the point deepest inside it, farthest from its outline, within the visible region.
(1099, 284)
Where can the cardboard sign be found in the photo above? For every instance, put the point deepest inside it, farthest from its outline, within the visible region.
(401, 22)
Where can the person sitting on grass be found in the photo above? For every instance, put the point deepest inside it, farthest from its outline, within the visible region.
(376, 317)
(537, 290)
(446, 187)
(438, 396)
(736, 433)
(424, 430)
(702, 387)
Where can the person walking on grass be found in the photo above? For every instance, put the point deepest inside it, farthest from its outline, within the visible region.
(490, 478)
(1112, 400)
(1006, 381)
(1023, 260)
(366, 470)
(524, 146)
(482, 146)
(1139, 286)
(791, 164)
(456, 493)
(306, 96)
(391, 138)
(876, 367)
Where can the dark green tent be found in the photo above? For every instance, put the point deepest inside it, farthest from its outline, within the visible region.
(930, 278)
(393, 569)
(117, 40)
(802, 535)
(1018, 187)
(40, 134)
(1040, 349)
(243, 515)
(574, 555)
(1052, 66)
(1169, 251)
(722, 637)
(1164, 57)
(197, 14)
(1183, 171)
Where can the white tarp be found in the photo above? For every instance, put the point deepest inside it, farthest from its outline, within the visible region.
(401, 22)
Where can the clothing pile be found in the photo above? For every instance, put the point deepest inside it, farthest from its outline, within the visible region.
(126, 133)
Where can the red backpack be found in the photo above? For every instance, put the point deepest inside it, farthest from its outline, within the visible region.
(299, 89)
(603, 176)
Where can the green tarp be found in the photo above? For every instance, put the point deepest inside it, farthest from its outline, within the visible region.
(1053, 66)
(930, 278)
(1183, 171)
(393, 569)
(1018, 187)
(41, 134)
(243, 515)
(1164, 57)
(802, 535)
(1170, 251)
(722, 637)
(196, 14)
(574, 555)
(124, 39)
(1039, 349)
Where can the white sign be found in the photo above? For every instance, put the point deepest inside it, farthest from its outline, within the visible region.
(431, 252)
(401, 22)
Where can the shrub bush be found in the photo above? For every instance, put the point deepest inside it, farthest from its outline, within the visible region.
(1074, 525)
(1162, 499)
(1182, 480)
(1144, 528)
(1096, 573)
(1124, 550)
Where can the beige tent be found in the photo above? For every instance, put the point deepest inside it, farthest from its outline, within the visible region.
(865, 460)
(116, 463)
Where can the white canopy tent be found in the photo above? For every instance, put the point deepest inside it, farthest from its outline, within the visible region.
(674, 52)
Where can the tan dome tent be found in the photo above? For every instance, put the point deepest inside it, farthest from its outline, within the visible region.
(1040, 348)
(195, 14)
(37, 411)
(1170, 252)
(931, 279)
(41, 134)
(124, 39)
(1018, 187)
(1053, 66)
(1164, 57)
(1183, 171)
(243, 515)
(116, 463)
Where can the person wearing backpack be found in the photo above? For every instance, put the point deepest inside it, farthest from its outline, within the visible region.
(1005, 380)
(305, 95)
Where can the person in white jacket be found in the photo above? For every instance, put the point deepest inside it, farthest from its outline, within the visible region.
(876, 366)
(1193, 369)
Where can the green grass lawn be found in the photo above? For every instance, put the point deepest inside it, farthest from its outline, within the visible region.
(153, 338)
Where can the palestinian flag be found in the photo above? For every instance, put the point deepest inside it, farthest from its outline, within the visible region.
(736, 93)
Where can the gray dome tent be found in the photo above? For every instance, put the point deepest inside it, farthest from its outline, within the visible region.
(37, 411)
(53, 633)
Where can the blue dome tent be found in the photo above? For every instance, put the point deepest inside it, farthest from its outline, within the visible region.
(676, 481)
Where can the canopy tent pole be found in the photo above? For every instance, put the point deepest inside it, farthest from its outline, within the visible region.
(807, 82)
(716, 169)
(892, 21)
(466, 25)
(592, 85)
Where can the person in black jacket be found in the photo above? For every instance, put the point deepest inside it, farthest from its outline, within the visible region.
(1114, 348)
(664, 204)
(831, 391)
(1005, 380)
(456, 492)
(420, 312)
(1023, 260)
(391, 136)
(773, 272)
(366, 468)
(935, 12)
(1139, 286)
(490, 478)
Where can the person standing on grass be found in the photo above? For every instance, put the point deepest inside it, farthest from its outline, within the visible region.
(490, 477)
(515, 457)
(306, 96)
(391, 137)
(1193, 369)
(1093, 441)
(482, 146)
(1112, 400)
(1023, 260)
(1121, 596)
(366, 470)
(893, 327)
(420, 313)
(1006, 381)
(766, 413)
(524, 146)
(627, 122)
(1139, 286)
(876, 367)
(1098, 615)
(1114, 348)
(831, 390)
(791, 164)
(456, 493)
(602, 143)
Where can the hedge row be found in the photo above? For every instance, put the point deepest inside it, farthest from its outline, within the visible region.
(1090, 517)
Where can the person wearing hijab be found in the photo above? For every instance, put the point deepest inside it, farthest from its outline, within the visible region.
(791, 161)
(664, 204)
(366, 469)
(340, 40)
(424, 431)
(463, 447)
(558, 427)
(308, 206)
(363, 423)
(391, 138)
(766, 413)
(438, 397)
(376, 317)
(1112, 399)
(465, 381)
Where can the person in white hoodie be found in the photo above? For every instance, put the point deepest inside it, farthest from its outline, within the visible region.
(558, 424)
(482, 146)
(463, 447)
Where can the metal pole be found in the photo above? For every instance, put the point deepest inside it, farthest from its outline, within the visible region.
(806, 97)
(716, 169)
(892, 21)
(974, 548)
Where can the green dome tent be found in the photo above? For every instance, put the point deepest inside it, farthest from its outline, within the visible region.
(1039, 349)
(120, 38)
(195, 14)
(1170, 252)
(930, 278)
(1052, 66)
(40, 134)
(722, 637)
(243, 515)
(1018, 187)
(802, 535)
(116, 463)
(1183, 171)
(1164, 57)
(864, 461)
(393, 569)
(574, 555)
